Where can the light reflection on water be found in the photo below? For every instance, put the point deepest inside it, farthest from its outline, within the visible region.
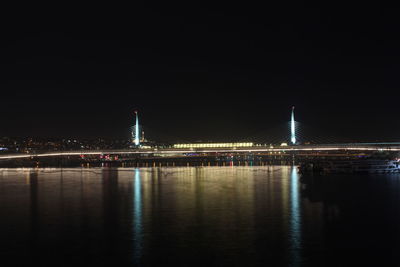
(295, 218)
(137, 218)
(187, 216)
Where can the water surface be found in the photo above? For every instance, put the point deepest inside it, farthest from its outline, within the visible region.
(197, 216)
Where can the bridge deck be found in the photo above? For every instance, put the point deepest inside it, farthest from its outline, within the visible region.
(252, 149)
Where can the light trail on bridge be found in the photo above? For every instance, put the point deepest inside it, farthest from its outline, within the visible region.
(255, 149)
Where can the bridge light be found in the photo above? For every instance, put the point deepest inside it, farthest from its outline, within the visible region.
(292, 128)
(213, 145)
(136, 130)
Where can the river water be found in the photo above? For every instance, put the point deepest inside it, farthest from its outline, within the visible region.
(197, 216)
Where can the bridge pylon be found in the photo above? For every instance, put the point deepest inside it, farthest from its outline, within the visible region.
(136, 131)
(292, 128)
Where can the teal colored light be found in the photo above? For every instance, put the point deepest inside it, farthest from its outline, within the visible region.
(137, 142)
(137, 217)
(292, 129)
(295, 218)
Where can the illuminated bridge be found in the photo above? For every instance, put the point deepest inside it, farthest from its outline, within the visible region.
(139, 150)
(189, 150)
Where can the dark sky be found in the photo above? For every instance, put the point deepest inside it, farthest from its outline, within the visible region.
(205, 73)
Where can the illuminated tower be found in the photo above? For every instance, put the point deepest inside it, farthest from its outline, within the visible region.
(292, 129)
(136, 131)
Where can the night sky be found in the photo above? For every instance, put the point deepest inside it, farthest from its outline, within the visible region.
(204, 74)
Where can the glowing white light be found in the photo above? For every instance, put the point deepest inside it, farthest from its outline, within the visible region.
(292, 129)
(137, 142)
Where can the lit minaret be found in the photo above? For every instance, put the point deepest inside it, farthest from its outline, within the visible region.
(292, 129)
(137, 138)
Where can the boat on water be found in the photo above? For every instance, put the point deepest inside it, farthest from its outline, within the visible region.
(370, 166)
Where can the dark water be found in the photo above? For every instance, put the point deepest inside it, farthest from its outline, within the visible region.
(205, 216)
